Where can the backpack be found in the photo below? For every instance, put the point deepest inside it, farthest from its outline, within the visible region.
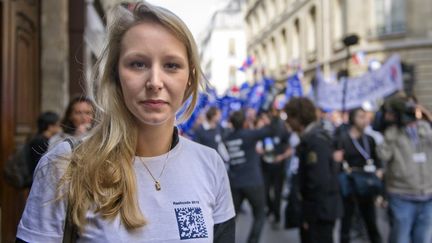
(17, 172)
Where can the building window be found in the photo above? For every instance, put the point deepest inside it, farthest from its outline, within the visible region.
(271, 8)
(275, 7)
(339, 19)
(311, 30)
(389, 16)
(231, 47)
(233, 75)
(262, 60)
(264, 56)
(254, 24)
(281, 5)
(272, 54)
(249, 27)
(283, 52)
(263, 16)
(296, 40)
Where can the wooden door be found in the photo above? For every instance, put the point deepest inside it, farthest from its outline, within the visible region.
(20, 95)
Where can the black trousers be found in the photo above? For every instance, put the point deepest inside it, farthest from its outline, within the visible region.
(274, 175)
(366, 208)
(256, 197)
(317, 232)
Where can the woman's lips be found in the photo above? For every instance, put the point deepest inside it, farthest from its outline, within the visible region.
(154, 104)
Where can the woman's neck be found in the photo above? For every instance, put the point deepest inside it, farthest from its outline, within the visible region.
(154, 140)
(355, 132)
(213, 124)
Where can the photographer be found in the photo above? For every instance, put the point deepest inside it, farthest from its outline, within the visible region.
(407, 150)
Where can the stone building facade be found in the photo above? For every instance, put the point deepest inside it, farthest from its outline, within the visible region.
(71, 33)
(285, 34)
(222, 47)
(47, 50)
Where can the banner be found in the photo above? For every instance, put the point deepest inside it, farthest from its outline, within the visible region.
(293, 87)
(370, 86)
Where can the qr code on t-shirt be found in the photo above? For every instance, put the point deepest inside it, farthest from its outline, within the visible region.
(191, 223)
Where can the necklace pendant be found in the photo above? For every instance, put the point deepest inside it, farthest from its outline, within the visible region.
(157, 186)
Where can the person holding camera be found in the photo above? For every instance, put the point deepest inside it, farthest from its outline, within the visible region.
(407, 150)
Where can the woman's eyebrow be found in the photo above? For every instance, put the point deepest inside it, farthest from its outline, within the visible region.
(175, 56)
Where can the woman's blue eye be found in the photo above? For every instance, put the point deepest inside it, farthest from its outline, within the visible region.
(137, 64)
(172, 66)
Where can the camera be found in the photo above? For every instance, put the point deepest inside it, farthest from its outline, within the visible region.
(398, 111)
(408, 114)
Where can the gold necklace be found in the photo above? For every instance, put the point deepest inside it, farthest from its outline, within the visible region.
(157, 181)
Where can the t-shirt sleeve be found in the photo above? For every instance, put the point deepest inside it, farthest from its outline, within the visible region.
(224, 207)
(44, 214)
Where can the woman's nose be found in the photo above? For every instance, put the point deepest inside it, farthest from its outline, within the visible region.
(155, 80)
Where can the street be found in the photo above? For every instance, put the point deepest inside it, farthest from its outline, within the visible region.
(280, 235)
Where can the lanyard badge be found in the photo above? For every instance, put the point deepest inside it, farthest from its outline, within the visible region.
(365, 152)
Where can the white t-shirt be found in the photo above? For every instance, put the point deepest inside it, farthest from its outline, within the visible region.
(195, 195)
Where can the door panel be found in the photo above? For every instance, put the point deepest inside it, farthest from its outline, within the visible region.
(20, 95)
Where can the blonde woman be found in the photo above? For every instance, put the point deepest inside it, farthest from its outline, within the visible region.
(134, 179)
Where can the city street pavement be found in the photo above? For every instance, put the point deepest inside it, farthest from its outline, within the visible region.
(280, 235)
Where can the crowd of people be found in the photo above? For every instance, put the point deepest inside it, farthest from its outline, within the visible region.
(116, 169)
(332, 165)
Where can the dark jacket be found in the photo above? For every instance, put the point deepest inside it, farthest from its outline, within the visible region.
(208, 136)
(39, 146)
(245, 168)
(354, 158)
(318, 176)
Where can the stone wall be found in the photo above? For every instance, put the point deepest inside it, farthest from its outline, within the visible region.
(54, 55)
(414, 44)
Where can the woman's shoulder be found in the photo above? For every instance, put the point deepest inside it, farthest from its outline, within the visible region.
(56, 139)
(195, 146)
(55, 161)
(44, 214)
(202, 153)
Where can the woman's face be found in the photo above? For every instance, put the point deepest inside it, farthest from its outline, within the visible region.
(154, 73)
(82, 114)
(361, 120)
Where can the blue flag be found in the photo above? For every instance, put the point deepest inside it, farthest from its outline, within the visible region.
(186, 127)
(293, 87)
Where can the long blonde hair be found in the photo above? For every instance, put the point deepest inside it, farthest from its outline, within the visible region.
(100, 175)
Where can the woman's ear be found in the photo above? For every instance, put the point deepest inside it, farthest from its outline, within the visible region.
(188, 91)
